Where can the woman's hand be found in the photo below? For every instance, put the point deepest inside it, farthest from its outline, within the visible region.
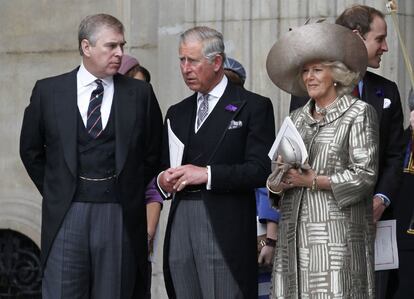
(266, 255)
(298, 178)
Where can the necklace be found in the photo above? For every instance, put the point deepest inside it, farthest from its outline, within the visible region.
(324, 110)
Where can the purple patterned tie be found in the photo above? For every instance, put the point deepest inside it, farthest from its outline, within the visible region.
(94, 122)
(202, 110)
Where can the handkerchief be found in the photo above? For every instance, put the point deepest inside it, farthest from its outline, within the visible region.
(234, 124)
(387, 103)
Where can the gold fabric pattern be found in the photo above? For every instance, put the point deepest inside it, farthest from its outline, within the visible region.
(325, 246)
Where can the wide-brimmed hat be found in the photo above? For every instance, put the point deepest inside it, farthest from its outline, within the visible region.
(313, 42)
(127, 63)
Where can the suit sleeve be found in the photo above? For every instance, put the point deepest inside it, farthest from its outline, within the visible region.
(165, 155)
(390, 175)
(253, 171)
(32, 141)
(153, 137)
(165, 152)
(297, 102)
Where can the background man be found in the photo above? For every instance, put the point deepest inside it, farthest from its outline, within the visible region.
(210, 244)
(383, 94)
(90, 142)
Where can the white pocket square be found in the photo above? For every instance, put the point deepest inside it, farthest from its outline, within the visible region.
(387, 103)
(235, 124)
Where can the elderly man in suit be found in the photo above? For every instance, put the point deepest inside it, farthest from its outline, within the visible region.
(369, 24)
(90, 141)
(210, 245)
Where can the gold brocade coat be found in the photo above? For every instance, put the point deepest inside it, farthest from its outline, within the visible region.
(325, 245)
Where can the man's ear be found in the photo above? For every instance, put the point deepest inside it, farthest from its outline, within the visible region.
(86, 47)
(356, 31)
(218, 62)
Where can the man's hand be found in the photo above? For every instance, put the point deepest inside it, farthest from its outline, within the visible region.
(188, 175)
(166, 180)
(378, 208)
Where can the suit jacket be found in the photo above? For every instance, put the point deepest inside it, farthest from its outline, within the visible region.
(48, 149)
(239, 163)
(404, 210)
(376, 90)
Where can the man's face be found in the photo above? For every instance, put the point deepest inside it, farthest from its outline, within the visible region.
(198, 73)
(104, 58)
(375, 41)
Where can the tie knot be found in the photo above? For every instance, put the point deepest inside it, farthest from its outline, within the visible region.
(98, 82)
(204, 97)
(355, 91)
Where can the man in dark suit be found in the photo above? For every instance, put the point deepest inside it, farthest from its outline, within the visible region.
(90, 141)
(383, 95)
(210, 245)
(403, 281)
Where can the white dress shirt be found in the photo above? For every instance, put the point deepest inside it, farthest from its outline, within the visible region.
(85, 85)
(213, 97)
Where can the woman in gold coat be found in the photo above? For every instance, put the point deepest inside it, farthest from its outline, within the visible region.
(325, 241)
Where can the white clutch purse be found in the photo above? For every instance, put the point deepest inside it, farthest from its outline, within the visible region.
(291, 156)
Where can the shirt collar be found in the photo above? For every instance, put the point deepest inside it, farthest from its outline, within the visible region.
(85, 78)
(218, 90)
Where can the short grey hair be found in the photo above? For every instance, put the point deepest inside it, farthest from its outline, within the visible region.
(91, 25)
(344, 78)
(211, 39)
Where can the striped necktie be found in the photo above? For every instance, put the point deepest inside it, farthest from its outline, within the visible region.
(94, 122)
(355, 91)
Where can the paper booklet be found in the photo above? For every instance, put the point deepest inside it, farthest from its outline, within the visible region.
(386, 251)
(176, 147)
(288, 129)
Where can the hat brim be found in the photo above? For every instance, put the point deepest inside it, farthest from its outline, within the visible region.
(313, 42)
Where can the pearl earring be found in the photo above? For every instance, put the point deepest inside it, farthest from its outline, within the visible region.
(335, 84)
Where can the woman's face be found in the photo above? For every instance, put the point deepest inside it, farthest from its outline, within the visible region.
(318, 81)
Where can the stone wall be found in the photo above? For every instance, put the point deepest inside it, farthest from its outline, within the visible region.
(39, 39)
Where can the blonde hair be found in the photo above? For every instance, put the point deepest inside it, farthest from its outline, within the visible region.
(344, 78)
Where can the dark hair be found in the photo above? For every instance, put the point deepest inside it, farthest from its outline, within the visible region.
(139, 69)
(90, 26)
(359, 17)
(234, 77)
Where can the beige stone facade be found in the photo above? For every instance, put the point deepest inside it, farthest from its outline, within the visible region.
(39, 39)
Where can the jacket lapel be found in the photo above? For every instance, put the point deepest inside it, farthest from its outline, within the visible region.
(226, 109)
(66, 107)
(125, 114)
(373, 94)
